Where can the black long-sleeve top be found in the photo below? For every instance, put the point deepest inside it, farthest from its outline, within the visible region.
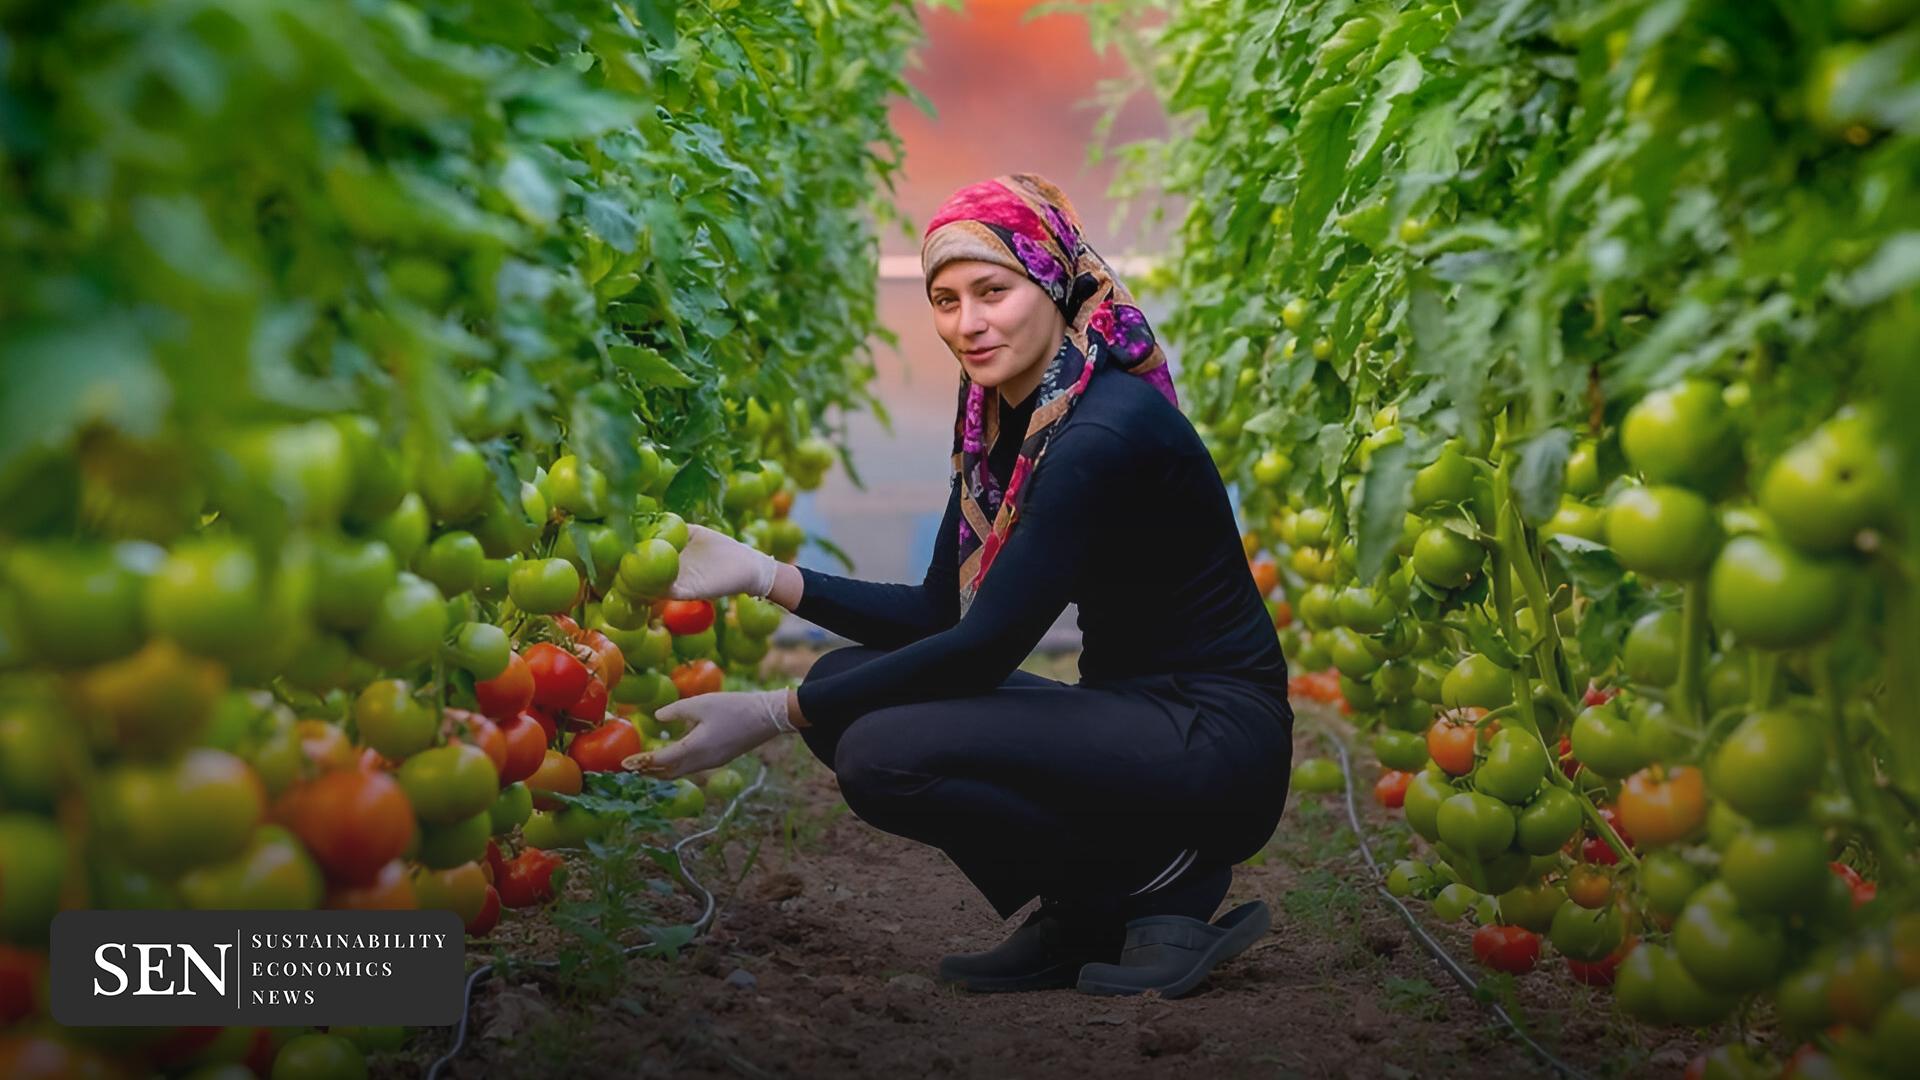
(1125, 515)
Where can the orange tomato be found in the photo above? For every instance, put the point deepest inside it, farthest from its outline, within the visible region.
(780, 503)
(559, 774)
(1589, 887)
(1450, 744)
(1390, 790)
(461, 890)
(354, 823)
(390, 890)
(1660, 806)
(697, 677)
(1266, 575)
(605, 660)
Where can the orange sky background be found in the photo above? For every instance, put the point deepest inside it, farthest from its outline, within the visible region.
(1011, 96)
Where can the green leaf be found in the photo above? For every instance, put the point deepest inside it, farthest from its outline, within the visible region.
(1540, 474)
(649, 368)
(1894, 268)
(1323, 142)
(1386, 495)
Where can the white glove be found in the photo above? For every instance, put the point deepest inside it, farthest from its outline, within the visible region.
(714, 564)
(720, 727)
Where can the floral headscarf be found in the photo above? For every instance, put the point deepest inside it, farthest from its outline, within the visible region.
(1024, 223)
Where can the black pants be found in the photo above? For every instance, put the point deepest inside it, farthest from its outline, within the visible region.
(1079, 794)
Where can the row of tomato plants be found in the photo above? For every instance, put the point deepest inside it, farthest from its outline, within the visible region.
(1561, 354)
(369, 363)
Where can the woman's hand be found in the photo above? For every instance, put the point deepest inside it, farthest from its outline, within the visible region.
(714, 564)
(720, 727)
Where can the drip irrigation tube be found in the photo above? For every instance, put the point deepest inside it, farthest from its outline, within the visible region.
(1439, 953)
(485, 970)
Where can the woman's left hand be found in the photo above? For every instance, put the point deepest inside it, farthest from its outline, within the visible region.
(720, 727)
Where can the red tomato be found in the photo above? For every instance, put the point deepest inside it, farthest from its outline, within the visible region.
(1597, 696)
(20, 972)
(567, 626)
(528, 879)
(687, 616)
(1266, 575)
(508, 693)
(606, 660)
(1450, 744)
(592, 704)
(605, 747)
(1596, 850)
(548, 725)
(353, 822)
(526, 742)
(697, 677)
(1282, 615)
(489, 916)
(391, 890)
(486, 735)
(1390, 790)
(1567, 763)
(559, 678)
(495, 864)
(1510, 949)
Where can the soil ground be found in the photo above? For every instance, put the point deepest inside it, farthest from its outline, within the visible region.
(820, 964)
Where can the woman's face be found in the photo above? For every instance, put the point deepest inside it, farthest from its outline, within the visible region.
(1001, 326)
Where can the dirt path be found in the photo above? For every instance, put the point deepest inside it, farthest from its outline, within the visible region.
(821, 966)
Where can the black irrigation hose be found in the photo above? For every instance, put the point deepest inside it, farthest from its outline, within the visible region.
(483, 971)
(1434, 948)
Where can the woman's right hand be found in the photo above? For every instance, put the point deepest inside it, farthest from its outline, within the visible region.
(714, 564)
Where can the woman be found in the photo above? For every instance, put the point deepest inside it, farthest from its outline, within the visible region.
(1124, 801)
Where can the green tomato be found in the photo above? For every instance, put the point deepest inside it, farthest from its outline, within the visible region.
(1652, 651)
(449, 784)
(1476, 682)
(1832, 484)
(1778, 869)
(605, 547)
(1682, 998)
(1515, 766)
(1446, 559)
(1318, 776)
(1448, 480)
(1666, 881)
(1425, 795)
(1606, 740)
(407, 627)
(577, 488)
(405, 530)
(744, 490)
(1575, 518)
(452, 562)
(455, 484)
(1587, 934)
(380, 478)
(1504, 871)
(1395, 681)
(274, 873)
(392, 721)
(1723, 948)
(1583, 469)
(696, 646)
(1410, 878)
(1272, 468)
(509, 528)
(208, 596)
(1770, 596)
(81, 604)
(1548, 822)
(443, 847)
(688, 800)
(1350, 654)
(1660, 737)
(355, 575)
(672, 528)
(1636, 984)
(1413, 714)
(1403, 750)
(1295, 313)
(319, 1057)
(306, 465)
(1310, 527)
(33, 863)
(758, 618)
(1682, 434)
(1770, 766)
(1478, 826)
(1803, 1001)
(619, 615)
(543, 586)
(1319, 607)
(1531, 906)
(482, 649)
(646, 572)
(196, 809)
(726, 784)
(511, 807)
(1454, 901)
(1662, 532)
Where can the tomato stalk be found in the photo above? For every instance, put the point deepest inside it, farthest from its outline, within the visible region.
(1763, 670)
(1901, 668)
(1549, 652)
(1854, 755)
(1502, 570)
(1688, 702)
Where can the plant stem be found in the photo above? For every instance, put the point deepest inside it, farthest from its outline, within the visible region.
(1855, 758)
(1687, 701)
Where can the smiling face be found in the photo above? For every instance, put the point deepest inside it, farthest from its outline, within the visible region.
(1001, 326)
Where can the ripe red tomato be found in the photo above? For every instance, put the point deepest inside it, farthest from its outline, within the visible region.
(495, 864)
(353, 822)
(1282, 614)
(390, 890)
(1266, 575)
(487, 735)
(1390, 790)
(544, 717)
(528, 879)
(526, 742)
(20, 972)
(1450, 744)
(1568, 765)
(604, 658)
(1663, 806)
(508, 693)
(697, 677)
(687, 616)
(1601, 972)
(559, 678)
(489, 916)
(1597, 696)
(1510, 949)
(592, 704)
(605, 747)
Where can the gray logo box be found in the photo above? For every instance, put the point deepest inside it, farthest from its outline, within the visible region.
(257, 967)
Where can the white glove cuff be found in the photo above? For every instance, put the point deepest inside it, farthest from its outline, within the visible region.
(776, 706)
(764, 571)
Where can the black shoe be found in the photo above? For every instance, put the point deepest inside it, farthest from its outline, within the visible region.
(1046, 953)
(1172, 953)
